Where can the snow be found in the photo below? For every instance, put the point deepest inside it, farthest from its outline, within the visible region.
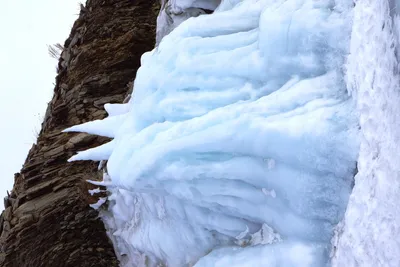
(370, 233)
(116, 109)
(95, 191)
(240, 141)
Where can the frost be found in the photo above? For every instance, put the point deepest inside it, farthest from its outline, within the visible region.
(220, 94)
(370, 233)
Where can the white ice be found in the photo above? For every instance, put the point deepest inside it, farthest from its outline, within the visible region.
(174, 12)
(370, 234)
(240, 121)
(289, 254)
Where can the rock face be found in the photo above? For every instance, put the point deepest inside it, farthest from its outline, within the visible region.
(47, 220)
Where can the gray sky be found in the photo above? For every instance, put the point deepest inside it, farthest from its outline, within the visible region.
(27, 74)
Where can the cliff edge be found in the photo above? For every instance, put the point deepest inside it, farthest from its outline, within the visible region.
(47, 220)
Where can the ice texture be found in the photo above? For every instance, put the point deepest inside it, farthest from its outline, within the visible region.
(240, 126)
(370, 234)
(174, 12)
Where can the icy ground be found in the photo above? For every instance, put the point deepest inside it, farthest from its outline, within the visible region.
(239, 145)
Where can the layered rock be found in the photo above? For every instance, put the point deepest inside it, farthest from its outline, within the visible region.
(47, 220)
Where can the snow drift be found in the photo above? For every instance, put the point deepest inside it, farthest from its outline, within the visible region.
(239, 145)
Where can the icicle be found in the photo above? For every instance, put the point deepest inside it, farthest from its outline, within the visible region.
(99, 153)
(106, 127)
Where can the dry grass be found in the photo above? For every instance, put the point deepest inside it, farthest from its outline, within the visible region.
(55, 50)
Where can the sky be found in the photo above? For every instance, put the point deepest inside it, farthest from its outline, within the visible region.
(27, 74)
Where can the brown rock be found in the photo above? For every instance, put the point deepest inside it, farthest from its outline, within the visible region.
(7, 214)
(49, 222)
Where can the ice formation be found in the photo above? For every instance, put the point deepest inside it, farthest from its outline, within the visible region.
(370, 233)
(239, 144)
(174, 12)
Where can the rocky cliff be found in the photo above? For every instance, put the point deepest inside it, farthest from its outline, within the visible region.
(47, 220)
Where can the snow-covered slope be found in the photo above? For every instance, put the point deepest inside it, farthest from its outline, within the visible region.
(370, 234)
(239, 145)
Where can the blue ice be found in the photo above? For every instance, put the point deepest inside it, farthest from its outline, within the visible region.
(240, 121)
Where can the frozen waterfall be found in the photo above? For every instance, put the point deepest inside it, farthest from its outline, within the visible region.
(239, 144)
